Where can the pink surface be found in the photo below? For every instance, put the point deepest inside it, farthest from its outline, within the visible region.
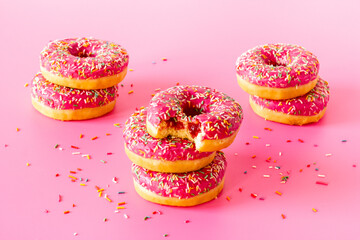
(201, 41)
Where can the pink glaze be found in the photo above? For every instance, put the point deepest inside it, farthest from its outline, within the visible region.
(83, 58)
(182, 185)
(62, 98)
(278, 65)
(140, 142)
(307, 105)
(219, 116)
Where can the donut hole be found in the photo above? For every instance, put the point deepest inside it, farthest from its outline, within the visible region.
(81, 50)
(275, 62)
(192, 111)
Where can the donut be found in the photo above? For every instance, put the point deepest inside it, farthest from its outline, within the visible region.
(181, 189)
(64, 103)
(172, 155)
(277, 71)
(297, 111)
(84, 63)
(203, 115)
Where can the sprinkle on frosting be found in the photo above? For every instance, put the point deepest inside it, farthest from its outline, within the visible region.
(61, 98)
(182, 185)
(215, 114)
(83, 58)
(307, 105)
(278, 65)
(140, 142)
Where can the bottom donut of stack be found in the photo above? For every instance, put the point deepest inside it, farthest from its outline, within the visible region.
(181, 189)
(65, 103)
(302, 110)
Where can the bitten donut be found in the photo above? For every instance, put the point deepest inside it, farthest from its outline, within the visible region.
(297, 111)
(65, 103)
(172, 155)
(84, 63)
(277, 71)
(203, 115)
(182, 189)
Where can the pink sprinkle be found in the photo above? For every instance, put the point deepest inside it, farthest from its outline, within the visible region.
(322, 183)
(60, 198)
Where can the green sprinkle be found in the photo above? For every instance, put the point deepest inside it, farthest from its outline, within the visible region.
(56, 146)
(146, 218)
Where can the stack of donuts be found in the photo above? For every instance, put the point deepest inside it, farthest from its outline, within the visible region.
(174, 144)
(78, 78)
(284, 84)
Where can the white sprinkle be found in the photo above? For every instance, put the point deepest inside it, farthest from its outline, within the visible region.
(75, 233)
(321, 175)
(266, 176)
(114, 180)
(328, 154)
(75, 153)
(280, 153)
(267, 145)
(61, 149)
(253, 166)
(126, 216)
(235, 154)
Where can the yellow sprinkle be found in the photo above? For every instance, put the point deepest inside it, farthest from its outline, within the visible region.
(17, 129)
(82, 184)
(100, 194)
(130, 92)
(107, 198)
(27, 164)
(26, 85)
(314, 210)
(81, 136)
(130, 69)
(75, 178)
(278, 193)
(100, 190)
(256, 137)
(120, 207)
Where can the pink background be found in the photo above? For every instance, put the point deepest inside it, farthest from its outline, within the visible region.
(201, 40)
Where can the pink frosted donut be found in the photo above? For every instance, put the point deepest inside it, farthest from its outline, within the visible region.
(183, 189)
(297, 111)
(277, 71)
(169, 154)
(64, 103)
(203, 115)
(84, 63)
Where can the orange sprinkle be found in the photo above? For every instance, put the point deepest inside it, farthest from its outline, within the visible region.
(66, 212)
(253, 156)
(278, 193)
(17, 129)
(108, 134)
(121, 203)
(130, 92)
(94, 138)
(269, 129)
(75, 147)
(28, 164)
(228, 198)
(26, 85)
(73, 172)
(283, 216)
(81, 135)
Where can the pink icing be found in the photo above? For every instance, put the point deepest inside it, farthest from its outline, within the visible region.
(307, 105)
(139, 141)
(182, 185)
(278, 65)
(62, 98)
(83, 58)
(215, 113)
